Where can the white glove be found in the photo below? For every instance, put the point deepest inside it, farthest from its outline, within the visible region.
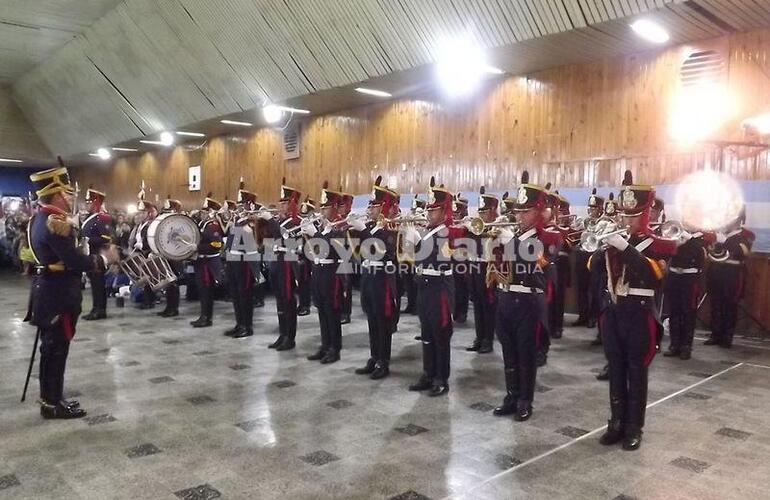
(721, 237)
(308, 228)
(356, 223)
(412, 235)
(617, 241)
(684, 238)
(505, 235)
(265, 215)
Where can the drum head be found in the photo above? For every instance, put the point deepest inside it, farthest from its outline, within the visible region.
(173, 236)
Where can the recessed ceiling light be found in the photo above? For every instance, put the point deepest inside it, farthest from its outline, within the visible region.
(374, 92)
(493, 70)
(166, 138)
(272, 113)
(234, 122)
(125, 149)
(10, 160)
(191, 134)
(650, 31)
(460, 66)
(293, 110)
(103, 153)
(156, 143)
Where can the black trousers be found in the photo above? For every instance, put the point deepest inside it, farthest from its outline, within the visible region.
(172, 297)
(435, 303)
(562, 282)
(98, 290)
(725, 288)
(304, 286)
(54, 349)
(484, 305)
(282, 279)
(681, 301)
(587, 288)
(629, 334)
(240, 282)
(327, 287)
(410, 286)
(520, 332)
(462, 297)
(347, 295)
(378, 301)
(208, 273)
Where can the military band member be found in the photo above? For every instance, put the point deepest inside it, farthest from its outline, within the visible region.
(635, 266)
(682, 291)
(326, 281)
(462, 296)
(435, 290)
(208, 264)
(348, 278)
(522, 313)
(283, 267)
(304, 268)
(57, 295)
(726, 279)
(172, 206)
(146, 212)
(549, 270)
(97, 228)
(242, 264)
(406, 265)
(483, 294)
(379, 272)
(562, 265)
(587, 298)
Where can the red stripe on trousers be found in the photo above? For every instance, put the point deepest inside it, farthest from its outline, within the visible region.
(336, 293)
(444, 311)
(206, 278)
(549, 292)
(538, 333)
(695, 292)
(388, 305)
(247, 277)
(652, 333)
(67, 326)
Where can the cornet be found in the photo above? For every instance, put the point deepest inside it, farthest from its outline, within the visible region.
(477, 226)
(403, 220)
(591, 242)
(286, 233)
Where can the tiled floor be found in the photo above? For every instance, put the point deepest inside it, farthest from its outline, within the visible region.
(181, 413)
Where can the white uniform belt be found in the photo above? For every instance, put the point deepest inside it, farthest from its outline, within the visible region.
(326, 262)
(376, 263)
(276, 248)
(519, 289)
(684, 270)
(479, 259)
(238, 252)
(641, 292)
(432, 272)
(564, 254)
(209, 256)
(731, 262)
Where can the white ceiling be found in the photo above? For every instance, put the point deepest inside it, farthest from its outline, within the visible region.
(150, 65)
(32, 30)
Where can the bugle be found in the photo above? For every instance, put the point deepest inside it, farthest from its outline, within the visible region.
(477, 226)
(591, 242)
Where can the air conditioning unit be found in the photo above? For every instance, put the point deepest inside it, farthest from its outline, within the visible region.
(291, 141)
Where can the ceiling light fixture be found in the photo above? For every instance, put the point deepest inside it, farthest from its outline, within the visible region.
(166, 138)
(460, 66)
(191, 134)
(130, 150)
(155, 143)
(103, 153)
(650, 31)
(233, 122)
(374, 92)
(272, 113)
(10, 160)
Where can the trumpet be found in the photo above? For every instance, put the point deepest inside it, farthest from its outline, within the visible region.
(591, 242)
(418, 220)
(286, 233)
(477, 226)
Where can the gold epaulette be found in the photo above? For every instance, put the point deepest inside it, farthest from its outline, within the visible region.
(59, 225)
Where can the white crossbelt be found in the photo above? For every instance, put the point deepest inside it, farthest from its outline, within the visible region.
(432, 272)
(684, 270)
(641, 292)
(519, 289)
(376, 263)
(732, 262)
(326, 261)
(564, 254)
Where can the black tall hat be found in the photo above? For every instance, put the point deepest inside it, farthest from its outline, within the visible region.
(487, 201)
(529, 195)
(635, 198)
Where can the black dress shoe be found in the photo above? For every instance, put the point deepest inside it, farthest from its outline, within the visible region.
(507, 408)
(485, 348)
(523, 413)
(613, 434)
(233, 331)
(368, 368)
(671, 353)
(597, 341)
(330, 357)
(317, 356)
(541, 359)
(438, 390)
(581, 321)
(711, 341)
(632, 439)
(685, 355)
(95, 315)
(421, 385)
(556, 334)
(418, 337)
(70, 403)
(259, 303)
(345, 319)
(245, 332)
(303, 311)
(475, 346)
(169, 313)
(286, 345)
(381, 371)
(277, 342)
(59, 411)
(201, 322)
(591, 323)
(604, 374)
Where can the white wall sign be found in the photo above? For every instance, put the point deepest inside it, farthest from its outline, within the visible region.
(194, 178)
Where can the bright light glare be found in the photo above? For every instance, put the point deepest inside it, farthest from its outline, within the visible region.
(374, 92)
(650, 31)
(460, 66)
(698, 112)
(14, 205)
(272, 113)
(708, 200)
(235, 122)
(131, 209)
(166, 138)
(760, 123)
(104, 153)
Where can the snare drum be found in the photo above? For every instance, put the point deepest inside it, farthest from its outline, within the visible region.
(133, 266)
(158, 272)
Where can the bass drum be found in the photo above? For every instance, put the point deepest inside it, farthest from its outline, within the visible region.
(173, 236)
